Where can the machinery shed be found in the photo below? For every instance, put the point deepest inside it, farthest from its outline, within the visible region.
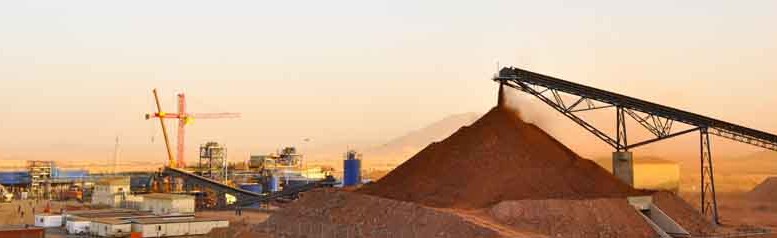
(161, 227)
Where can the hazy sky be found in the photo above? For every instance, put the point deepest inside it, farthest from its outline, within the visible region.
(75, 74)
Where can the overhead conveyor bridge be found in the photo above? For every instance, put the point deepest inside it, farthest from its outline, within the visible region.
(244, 197)
(214, 185)
(656, 118)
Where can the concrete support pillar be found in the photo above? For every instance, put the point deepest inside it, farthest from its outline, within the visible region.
(500, 100)
(623, 166)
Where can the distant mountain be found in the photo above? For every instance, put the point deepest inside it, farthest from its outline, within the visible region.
(402, 148)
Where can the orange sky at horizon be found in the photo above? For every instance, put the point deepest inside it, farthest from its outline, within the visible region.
(352, 74)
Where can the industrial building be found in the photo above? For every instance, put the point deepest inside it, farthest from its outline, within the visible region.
(43, 179)
(281, 170)
(111, 191)
(213, 161)
(165, 203)
(40, 174)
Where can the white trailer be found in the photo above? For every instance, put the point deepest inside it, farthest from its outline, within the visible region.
(110, 227)
(77, 226)
(156, 227)
(48, 220)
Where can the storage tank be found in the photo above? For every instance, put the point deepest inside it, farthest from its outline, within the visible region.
(352, 169)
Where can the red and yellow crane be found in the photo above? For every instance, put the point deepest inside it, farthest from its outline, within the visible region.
(184, 118)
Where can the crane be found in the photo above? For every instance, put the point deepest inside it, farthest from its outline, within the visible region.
(184, 118)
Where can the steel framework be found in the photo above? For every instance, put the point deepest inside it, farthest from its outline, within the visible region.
(655, 118)
(184, 118)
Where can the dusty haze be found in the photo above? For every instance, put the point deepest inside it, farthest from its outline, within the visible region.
(351, 74)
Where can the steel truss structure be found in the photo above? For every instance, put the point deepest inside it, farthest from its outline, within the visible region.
(657, 119)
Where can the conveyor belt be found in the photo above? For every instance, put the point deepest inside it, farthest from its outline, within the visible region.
(245, 197)
(519, 78)
(283, 193)
(212, 184)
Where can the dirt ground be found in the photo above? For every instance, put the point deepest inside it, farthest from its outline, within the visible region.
(335, 213)
(11, 215)
(735, 208)
(605, 217)
(737, 211)
(249, 224)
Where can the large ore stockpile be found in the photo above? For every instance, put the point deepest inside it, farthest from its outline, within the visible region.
(497, 158)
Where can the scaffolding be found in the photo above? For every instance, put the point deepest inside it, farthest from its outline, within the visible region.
(41, 173)
(213, 161)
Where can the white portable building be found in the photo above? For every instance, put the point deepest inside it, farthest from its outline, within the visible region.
(159, 227)
(77, 226)
(110, 227)
(48, 220)
(165, 203)
(111, 191)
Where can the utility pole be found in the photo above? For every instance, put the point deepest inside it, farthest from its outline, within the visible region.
(115, 155)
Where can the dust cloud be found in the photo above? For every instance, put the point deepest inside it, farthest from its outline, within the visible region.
(529, 110)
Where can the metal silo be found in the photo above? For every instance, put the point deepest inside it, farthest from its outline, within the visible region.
(352, 169)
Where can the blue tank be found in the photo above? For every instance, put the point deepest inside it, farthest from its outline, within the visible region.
(352, 171)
